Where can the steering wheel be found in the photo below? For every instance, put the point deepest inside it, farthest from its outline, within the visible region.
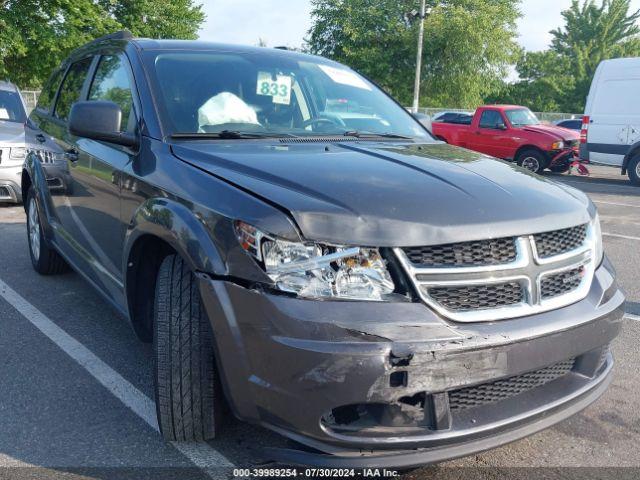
(320, 121)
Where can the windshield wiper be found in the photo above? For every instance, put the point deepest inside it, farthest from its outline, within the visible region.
(231, 135)
(357, 134)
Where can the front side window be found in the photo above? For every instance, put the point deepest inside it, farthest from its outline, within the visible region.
(112, 83)
(72, 88)
(273, 94)
(11, 107)
(521, 117)
(491, 119)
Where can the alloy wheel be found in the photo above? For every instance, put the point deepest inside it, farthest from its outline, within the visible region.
(34, 229)
(531, 163)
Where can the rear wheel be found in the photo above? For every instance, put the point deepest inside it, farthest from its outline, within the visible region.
(45, 260)
(633, 170)
(187, 390)
(533, 160)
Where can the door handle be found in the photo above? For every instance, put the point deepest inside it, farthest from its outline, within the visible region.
(41, 138)
(71, 155)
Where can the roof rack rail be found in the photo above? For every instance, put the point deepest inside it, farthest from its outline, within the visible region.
(121, 35)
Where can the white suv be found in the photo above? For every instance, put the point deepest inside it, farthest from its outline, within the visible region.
(12, 143)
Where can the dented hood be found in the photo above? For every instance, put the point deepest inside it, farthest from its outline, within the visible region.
(374, 194)
(558, 133)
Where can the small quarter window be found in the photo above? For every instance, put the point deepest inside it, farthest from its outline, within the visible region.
(47, 96)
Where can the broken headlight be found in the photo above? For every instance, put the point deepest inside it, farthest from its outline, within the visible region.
(318, 271)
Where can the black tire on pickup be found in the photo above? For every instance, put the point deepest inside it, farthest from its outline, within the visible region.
(633, 170)
(187, 391)
(561, 168)
(44, 258)
(533, 160)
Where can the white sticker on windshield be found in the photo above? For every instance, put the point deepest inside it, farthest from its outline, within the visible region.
(345, 77)
(4, 114)
(279, 89)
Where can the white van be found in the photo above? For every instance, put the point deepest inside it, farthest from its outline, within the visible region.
(611, 125)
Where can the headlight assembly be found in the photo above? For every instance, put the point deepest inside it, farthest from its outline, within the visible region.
(17, 153)
(313, 270)
(557, 146)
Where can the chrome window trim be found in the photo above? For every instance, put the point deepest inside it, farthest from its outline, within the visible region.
(528, 269)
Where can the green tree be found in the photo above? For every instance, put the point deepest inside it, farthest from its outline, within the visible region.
(543, 82)
(157, 18)
(36, 35)
(469, 45)
(559, 78)
(591, 34)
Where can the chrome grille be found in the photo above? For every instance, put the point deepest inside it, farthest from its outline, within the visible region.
(557, 242)
(480, 297)
(493, 392)
(503, 278)
(464, 254)
(561, 283)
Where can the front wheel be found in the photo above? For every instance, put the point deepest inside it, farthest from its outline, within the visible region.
(187, 390)
(633, 170)
(45, 260)
(533, 160)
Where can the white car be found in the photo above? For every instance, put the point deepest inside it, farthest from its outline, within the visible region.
(12, 142)
(610, 132)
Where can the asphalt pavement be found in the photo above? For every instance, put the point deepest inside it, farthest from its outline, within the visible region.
(76, 385)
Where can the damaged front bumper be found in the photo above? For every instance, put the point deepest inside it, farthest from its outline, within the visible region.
(393, 384)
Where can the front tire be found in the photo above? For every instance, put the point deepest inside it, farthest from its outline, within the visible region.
(187, 391)
(533, 160)
(562, 168)
(633, 170)
(45, 260)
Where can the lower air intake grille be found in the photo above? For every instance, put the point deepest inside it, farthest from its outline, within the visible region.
(493, 392)
(5, 193)
(477, 297)
(561, 283)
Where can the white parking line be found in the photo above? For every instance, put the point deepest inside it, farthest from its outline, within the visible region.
(617, 204)
(631, 316)
(201, 454)
(617, 235)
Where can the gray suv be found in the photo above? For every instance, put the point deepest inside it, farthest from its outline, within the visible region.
(299, 248)
(12, 144)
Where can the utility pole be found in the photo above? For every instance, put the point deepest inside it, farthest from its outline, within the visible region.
(416, 87)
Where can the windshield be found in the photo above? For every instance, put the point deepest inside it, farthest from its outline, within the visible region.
(271, 94)
(11, 108)
(521, 117)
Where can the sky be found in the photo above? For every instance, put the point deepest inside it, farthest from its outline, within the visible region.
(286, 22)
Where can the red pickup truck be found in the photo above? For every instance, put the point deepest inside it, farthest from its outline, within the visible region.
(512, 133)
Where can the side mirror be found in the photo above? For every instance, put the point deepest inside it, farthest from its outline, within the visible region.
(99, 120)
(501, 126)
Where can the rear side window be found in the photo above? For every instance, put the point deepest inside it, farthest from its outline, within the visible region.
(112, 82)
(72, 88)
(45, 100)
(491, 119)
